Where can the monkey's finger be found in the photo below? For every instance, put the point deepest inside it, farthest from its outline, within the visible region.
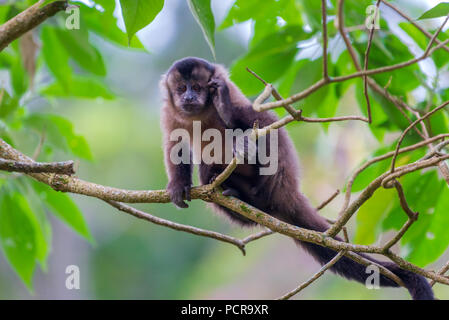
(177, 199)
(181, 204)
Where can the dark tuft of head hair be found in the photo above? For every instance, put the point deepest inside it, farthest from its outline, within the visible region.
(185, 66)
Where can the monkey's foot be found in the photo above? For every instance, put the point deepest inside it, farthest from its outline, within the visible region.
(178, 193)
(231, 192)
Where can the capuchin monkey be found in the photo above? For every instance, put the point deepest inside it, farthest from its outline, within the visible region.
(196, 90)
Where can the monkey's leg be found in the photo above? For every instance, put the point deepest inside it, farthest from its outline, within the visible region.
(207, 174)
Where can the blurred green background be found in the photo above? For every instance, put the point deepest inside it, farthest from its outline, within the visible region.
(133, 259)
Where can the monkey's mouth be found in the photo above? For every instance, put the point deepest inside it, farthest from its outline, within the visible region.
(192, 108)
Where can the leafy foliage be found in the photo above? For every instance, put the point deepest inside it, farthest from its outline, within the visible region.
(440, 10)
(203, 15)
(139, 13)
(285, 49)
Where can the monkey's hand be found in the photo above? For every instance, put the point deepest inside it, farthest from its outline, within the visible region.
(222, 100)
(216, 83)
(179, 191)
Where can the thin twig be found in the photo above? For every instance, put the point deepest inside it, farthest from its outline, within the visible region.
(436, 150)
(412, 215)
(344, 229)
(380, 158)
(398, 103)
(399, 235)
(39, 147)
(382, 180)
(269, 89)
(327, 201)
(226, 173)
(414, 123)
(412, 21)
(324, 17)
(441, 272)
(177, 226)
(434, 37)
(317, 275)
(365, 66)
(256, 236)
(290, 109)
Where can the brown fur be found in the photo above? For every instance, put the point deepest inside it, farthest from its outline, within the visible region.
(223, 106)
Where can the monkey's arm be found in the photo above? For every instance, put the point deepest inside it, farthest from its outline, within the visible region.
(222, 101)
(233, 108)
(179, 176)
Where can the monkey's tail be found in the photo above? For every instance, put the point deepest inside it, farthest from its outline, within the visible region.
(416, 284)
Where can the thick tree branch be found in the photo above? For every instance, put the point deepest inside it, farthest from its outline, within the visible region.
(28, 20)
(65, 167)
(207, 193)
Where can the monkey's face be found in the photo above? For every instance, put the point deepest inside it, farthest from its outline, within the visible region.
(190, 97)
(187, 82)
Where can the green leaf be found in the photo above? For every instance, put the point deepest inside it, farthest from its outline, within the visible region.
(202, 13)
(19, 76)
(105, 24)
(440, 57)
(354, 11)
(139, 13)
(55, 56)
(270, 57)
(64, 208)
(440, 10)
(378, 168)
(427, 238)
(8, 104)
(436, 239)
(107, 5)
(76, 44)
(80, 87)
(43, 226)
(312, 12)
(370, 215)
(60, 133)
(20, 236)
(269, 16)
(315, 101)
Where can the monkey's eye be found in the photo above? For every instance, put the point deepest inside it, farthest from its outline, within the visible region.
(182, 88)
(196, 87)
